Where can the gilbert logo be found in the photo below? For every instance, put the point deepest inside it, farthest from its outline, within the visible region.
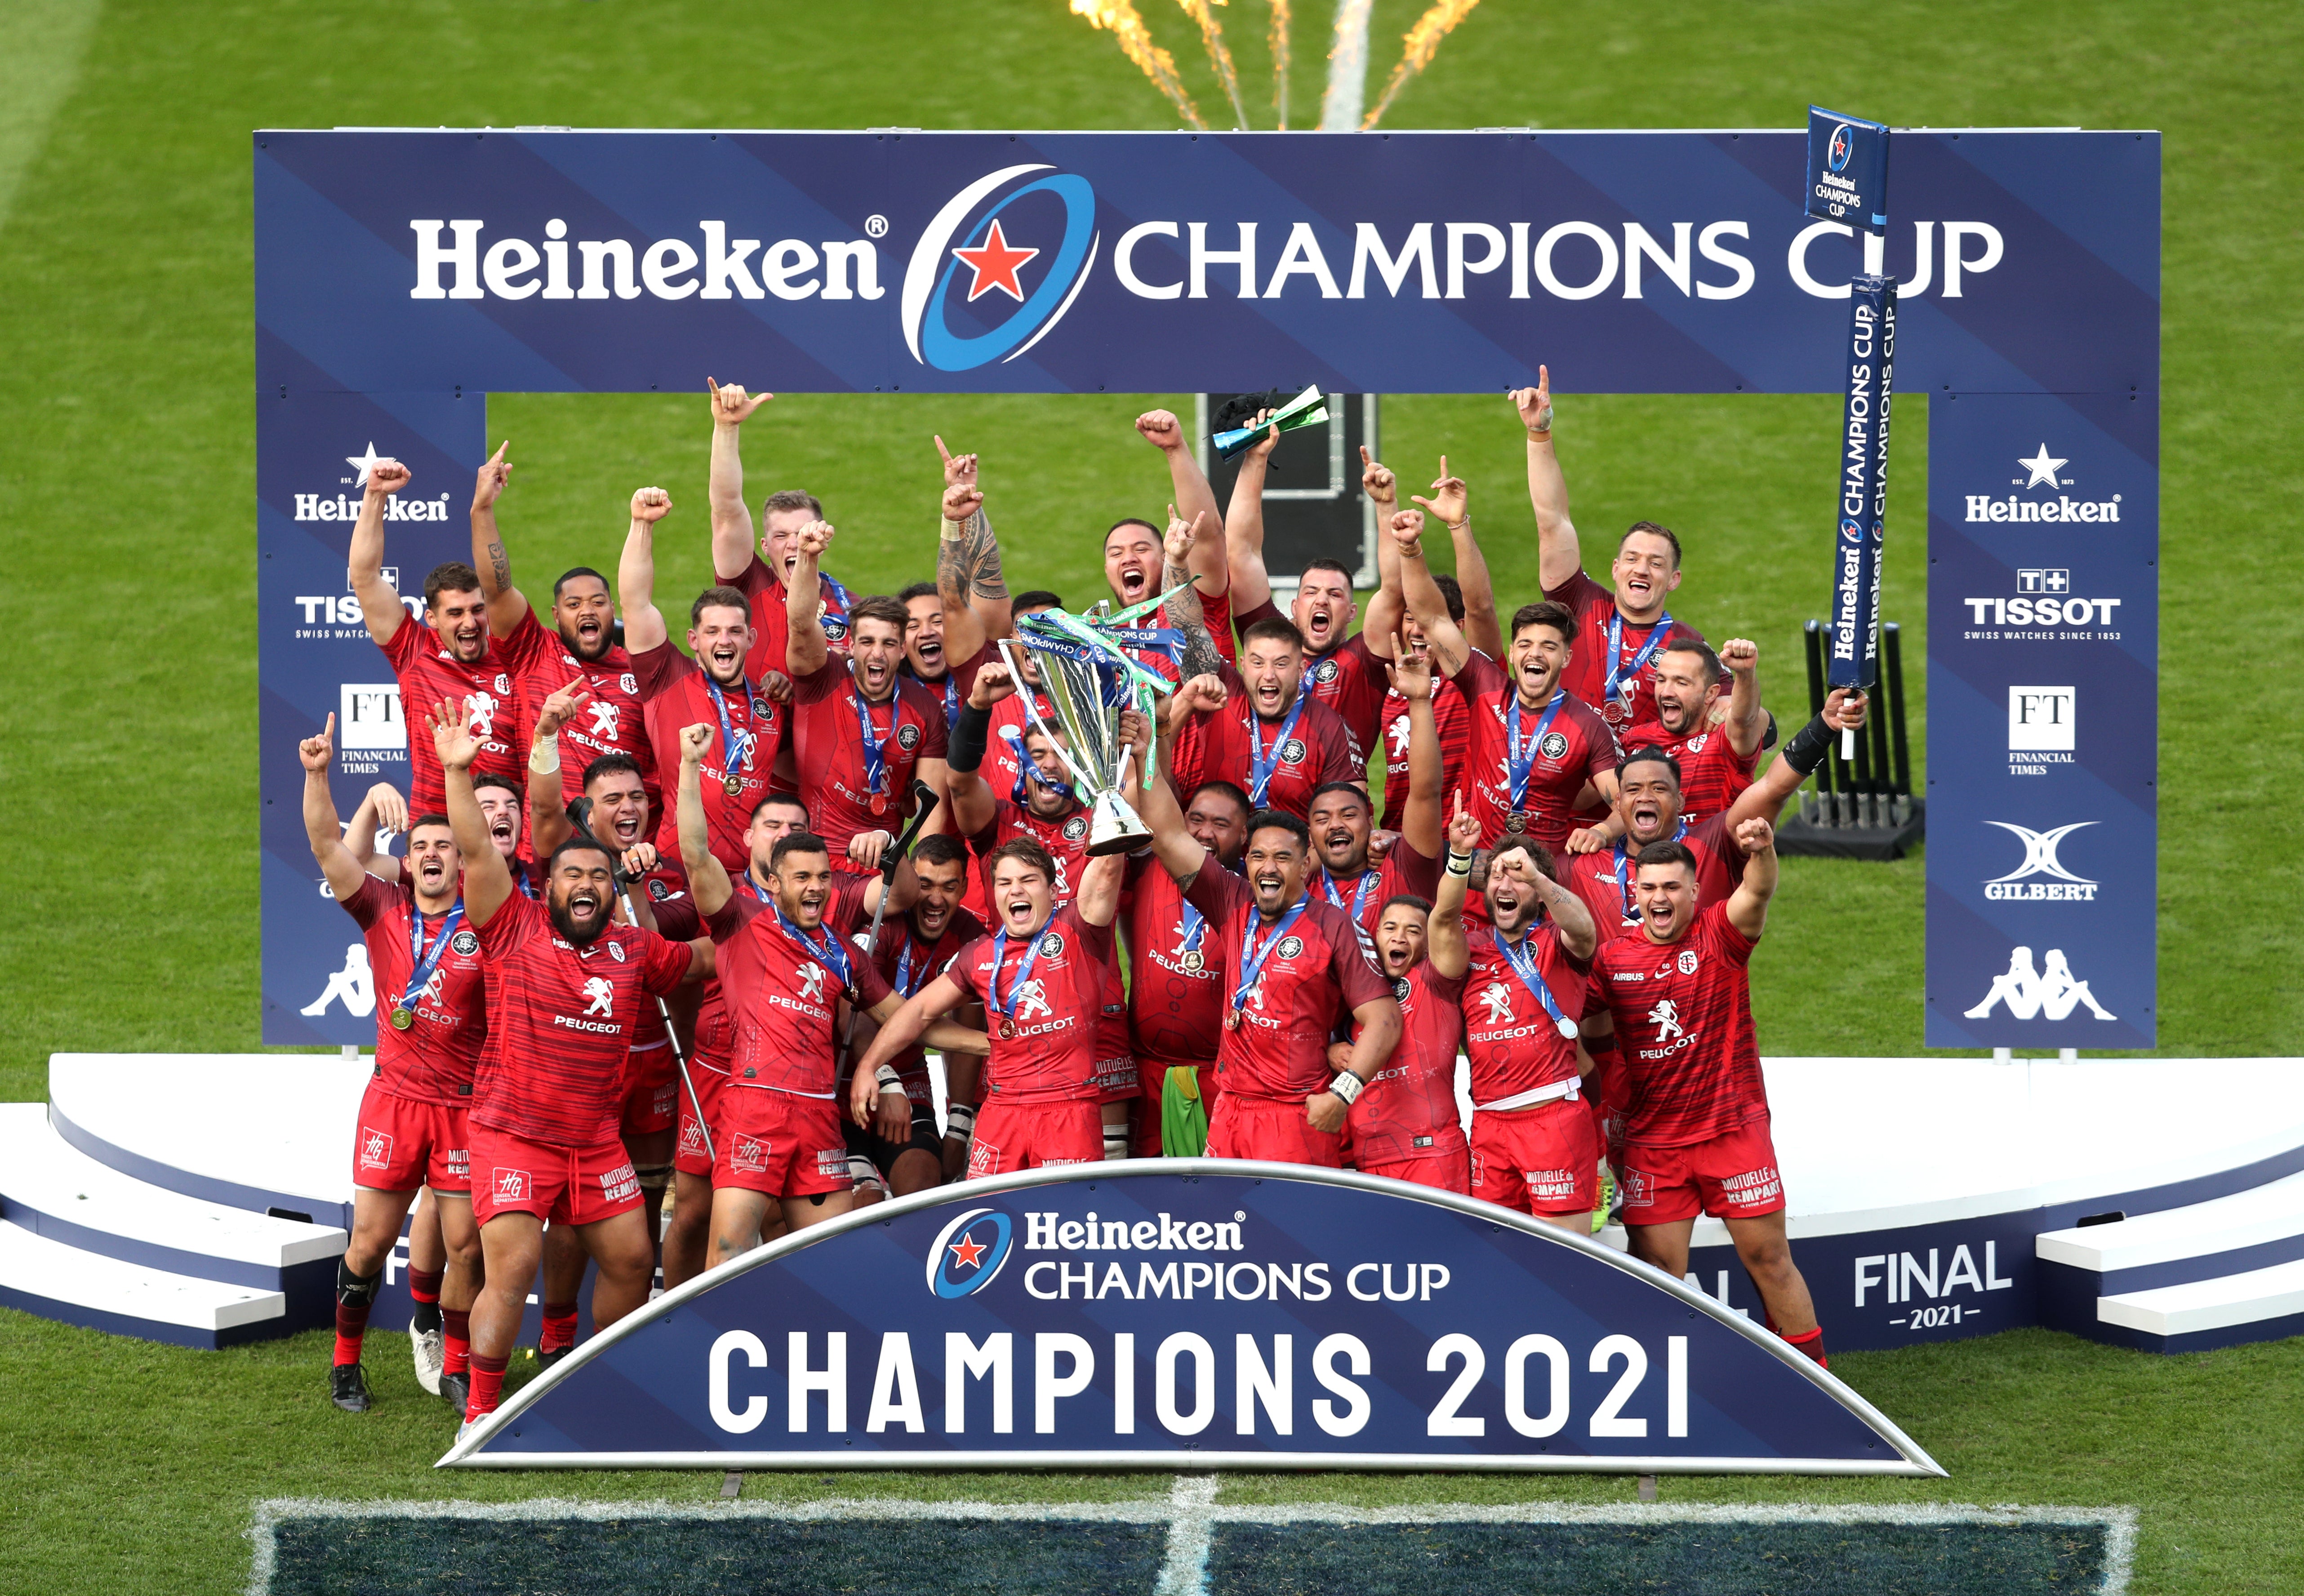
(2040, 859)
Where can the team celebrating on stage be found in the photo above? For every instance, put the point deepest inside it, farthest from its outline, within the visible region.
(685, 923)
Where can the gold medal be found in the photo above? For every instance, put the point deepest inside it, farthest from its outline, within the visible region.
(401, 1018)
(1192, 961)
(1515, 822)
(1007, 1029)
(1232, 1019)
(735, 786)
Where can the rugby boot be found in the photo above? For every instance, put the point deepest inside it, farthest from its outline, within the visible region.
(348, 1388)
(430, 1350)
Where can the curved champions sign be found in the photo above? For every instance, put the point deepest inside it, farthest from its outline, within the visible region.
(1190, 1314)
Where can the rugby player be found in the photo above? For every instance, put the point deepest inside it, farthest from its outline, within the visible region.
(501, 800)
(1534, 745)
(1259, 722)
(566, 988)
(1293, 964)
(580, 651)
(1626, 628)
(1715, 748)
(1042, 968)
(760, 573)
(1534, 1144)
(1696, 1137)
(783, 970)
(715, 686)
(1342, 820)
(1471, 605)
(1133, 553)
(1405, 1126)
(431, 1019)
(950, 622)
(1175, 985)
(861, 732)
(447, 655)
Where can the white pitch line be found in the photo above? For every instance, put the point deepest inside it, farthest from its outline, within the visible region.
(1192, 1504)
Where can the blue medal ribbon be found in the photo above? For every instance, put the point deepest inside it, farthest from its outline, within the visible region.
(906, 983)
(829, 951)
(1261, 764)
(875, 758)
(1368, 879)
(1522, 757)
(735, 746)
(1253, 957)
(520, 879)
(1007, 1010)
(1192, 928)
(1622, 679)
(951, 698)
(1026, 768)
(1522, 960)
(758, 891)
(1623, 889)
(422, 964)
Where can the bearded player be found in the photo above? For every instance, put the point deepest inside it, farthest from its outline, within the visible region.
(1257, 724)
(1293, 966)
(1342, 820)
(431, 1019)
(1678, 993)
(761, 573)
(1405, 1126)
(1036, 975)
(566, 988)
(1175, 987)
(1715, 748)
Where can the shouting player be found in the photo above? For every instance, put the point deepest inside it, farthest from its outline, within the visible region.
(1134, 555)
(1258, 723)
(1405, 1126)
(760, 573)
(431, 1019)
(1716, 750)
(1343, 819)
(1696, 1138)
(1175, 985)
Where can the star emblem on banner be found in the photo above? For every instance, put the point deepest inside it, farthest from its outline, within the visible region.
(966, 1252)
(995, 262)
(2043, 468)
(365, 463)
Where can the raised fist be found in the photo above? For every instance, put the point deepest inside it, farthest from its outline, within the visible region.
(1200, 694)
(1739, 653)
(1535, 404)
(1161, 429)
(993, 683)
(1135, 728)
(961, 501)
(494, 477)
(1586, 839)
(811, 540)
(1261, 449)
(315, 752)
(651, 504)
(387, 477)
(1755, 837)
(730, 405)
(1448, 496)
(695, 743)
(1377, 480)
(1407, 528)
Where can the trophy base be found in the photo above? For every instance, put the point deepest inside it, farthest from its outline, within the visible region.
(1114, 827)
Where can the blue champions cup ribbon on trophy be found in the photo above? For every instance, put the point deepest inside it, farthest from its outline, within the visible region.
(1847, 169)
(1859, 545)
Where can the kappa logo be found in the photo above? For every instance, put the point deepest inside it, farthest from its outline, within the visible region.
(600, 995)
(1289, 947)
(604, 719)
(1291, 752)
(1076, 828)
(2040, 859)
(1687, 961)
(2053, 993)
(375, 1149)
(1553, 745)
(810, 976)
(989, 242)
(1666, 1018)
(1498, 998)
(907, 737)
(969, 1253)
(510, 1186)
(465, 941)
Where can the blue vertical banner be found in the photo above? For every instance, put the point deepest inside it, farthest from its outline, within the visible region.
(315, 658)
(1860, 547)
(2044, 534)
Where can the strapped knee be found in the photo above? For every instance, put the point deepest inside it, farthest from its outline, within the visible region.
(353, 1290)
(653, 1178)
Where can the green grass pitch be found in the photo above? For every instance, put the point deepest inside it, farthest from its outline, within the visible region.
(128, 760)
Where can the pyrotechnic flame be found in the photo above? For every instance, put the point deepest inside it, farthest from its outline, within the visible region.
(1278, 41)
(1120, 18)
(1423, 41)
(1219, 55)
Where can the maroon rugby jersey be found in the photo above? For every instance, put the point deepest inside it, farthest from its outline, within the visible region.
(1064, 836)
(612, 721)
(783, 994)
(1512, 1041)
(828, 744)
(1575, 748)
(562, 1021)
(1606, 880)
(676, 918)
(433, 1061)
(1590, 664)
(1683, 1014)
(679, 695)
(772, 620)
(1362, 902)
(1314, 749)
(1176, 980)
(1314, 974)
(428, 673)
(1711, 775)
(907, 963)
(1409, 1110)
(1051, 1057)
(1348, 678)
(1455, 726)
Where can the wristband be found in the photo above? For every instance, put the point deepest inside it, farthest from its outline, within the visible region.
(959, 1121)
(890, 1081)
(1346, 1085)
(1413, 551)
(1458, 864)
(1808, 745)
(544, 757)
(953, 531)
(1458, 526)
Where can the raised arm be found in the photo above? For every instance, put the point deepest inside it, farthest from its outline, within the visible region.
(1748, 905)
(343, 871)
(806, 647)
(548, 811)
(1844, 711)
(644, 627)
(1384, 607)
(1251, 583)
(1180, 852)
(970, 586)
(381, 809)
(708, 878)
(1419, 816)
(1450, 502)
(1579, 932)
(971, 800)
(1444, 945)
(1423, 597)
(1557, 556)
(1179, 550)
(380, 606)
(1211, 571)
(506, 603)
(1747, 720)
(732, 519)
(488, 882)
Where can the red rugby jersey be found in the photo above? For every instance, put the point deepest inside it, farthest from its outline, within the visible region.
(1316, 749)
(1513, 1042)
(679, 695)
(1314, 977)
(783, 995)
(1455, 724)
(1597, 654)
(771, 621)
(1176, 980)
(1711, 775)
(1683, 1014)
(1052, 1056)
(1348, 678)
(676, 918)
(828, 746)
(612, 720)
(1362, 902)
(1605, 881)
(426, 673)
(434, 1060)
(1409, 1110)
(1577, 748)
(907, 963)
(562, 1020)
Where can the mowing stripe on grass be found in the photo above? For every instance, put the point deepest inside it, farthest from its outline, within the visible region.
(1188, 1545)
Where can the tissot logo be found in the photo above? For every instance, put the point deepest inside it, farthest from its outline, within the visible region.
(1019, 265)
(968, 1253)
(2041, 471)
(2040, 859)
(2043, 597)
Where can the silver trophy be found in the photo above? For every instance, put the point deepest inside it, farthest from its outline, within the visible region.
(1089, 681)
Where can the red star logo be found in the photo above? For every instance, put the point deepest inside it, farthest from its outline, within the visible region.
(995, 264)
(967, 1252)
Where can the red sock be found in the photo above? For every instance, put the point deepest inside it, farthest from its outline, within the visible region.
(457, 1340)
(424, 1286)
(488, 1385)
(1811, 1345)
(352, 1324)
(559, 1328)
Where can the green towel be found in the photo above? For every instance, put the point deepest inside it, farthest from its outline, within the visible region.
(1183, 1117)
